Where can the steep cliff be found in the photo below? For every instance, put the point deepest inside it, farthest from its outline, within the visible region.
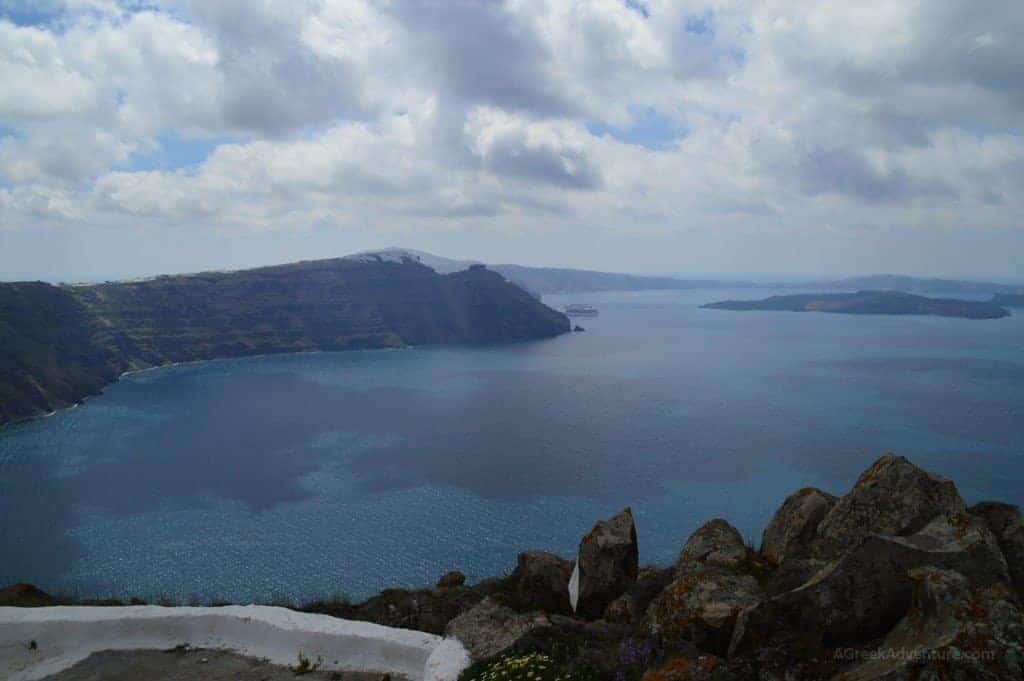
(59, 344)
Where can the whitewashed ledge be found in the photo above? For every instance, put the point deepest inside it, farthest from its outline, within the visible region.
(67, 635)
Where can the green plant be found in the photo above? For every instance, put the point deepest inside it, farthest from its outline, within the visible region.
(307, 666)
(532, 667)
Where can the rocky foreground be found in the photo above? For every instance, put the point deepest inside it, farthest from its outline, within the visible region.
(898, 580)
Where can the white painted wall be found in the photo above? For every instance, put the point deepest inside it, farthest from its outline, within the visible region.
(66, 635)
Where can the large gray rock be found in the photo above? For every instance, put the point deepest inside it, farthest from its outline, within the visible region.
(609, 563)
(863, 594)
(892, 497)
(791, 574)
(951, 632)
(1005, 522)
(701, 606)
(541, 582)
(716, 543)
(630, 607)
(451, 579)
(25, 596)
(791, 531)
(489, 630)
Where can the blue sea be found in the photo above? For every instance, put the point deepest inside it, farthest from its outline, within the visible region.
(327, 474)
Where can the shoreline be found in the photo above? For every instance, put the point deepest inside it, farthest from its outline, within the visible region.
(170, 365)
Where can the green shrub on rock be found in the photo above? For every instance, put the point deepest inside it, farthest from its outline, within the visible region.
(532, 667)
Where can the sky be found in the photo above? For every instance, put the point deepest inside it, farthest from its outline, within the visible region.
(777, 138)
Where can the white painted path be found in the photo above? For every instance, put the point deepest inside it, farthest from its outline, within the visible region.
(68, 634)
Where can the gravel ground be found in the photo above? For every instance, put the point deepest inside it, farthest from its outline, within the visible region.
(192, 664)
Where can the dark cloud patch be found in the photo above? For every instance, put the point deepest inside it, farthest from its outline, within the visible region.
(286, 92)
(471, 209)
(273, 82)
(568, 168)
(482, 54)
(847, 171)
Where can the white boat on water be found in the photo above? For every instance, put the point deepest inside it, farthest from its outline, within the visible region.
(580, 310)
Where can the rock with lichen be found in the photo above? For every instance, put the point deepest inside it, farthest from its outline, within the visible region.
(629, 608)
(950, 632)
(451, 579)
(541, 582)
(716, 543)
(1005, 522)
(860, 596)
(489, 629)
(701, 606)
(609, 563)
(892, 497)
(791, 531)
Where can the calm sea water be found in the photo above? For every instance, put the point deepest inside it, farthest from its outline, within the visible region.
(344, 473)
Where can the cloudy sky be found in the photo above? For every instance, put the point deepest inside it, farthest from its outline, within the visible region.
(771, 137)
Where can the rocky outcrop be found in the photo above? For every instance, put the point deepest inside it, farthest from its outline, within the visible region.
(451, 579)
(710, 588)
(629, 608)
(791, 574)
(699, 667)
(702, 607)
(892, 497)
(427, 610)
(490, 629)
(1005, 522)
(541, 582)
(895, 581)
(609, 563)
(950, 632)
(716, 543)
(863, 594)
(791, 532)
(25, 596)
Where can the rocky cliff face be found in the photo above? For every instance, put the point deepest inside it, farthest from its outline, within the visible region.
(60, 344)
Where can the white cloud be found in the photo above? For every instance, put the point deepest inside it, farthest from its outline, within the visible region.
(37, 83)
(797, 114)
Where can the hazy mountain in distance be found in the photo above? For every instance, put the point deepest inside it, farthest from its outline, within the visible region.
(544, 280)
(899, 282)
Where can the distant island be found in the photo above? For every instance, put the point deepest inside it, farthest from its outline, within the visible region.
(1008, 299)
(59, 344)
(868, 302)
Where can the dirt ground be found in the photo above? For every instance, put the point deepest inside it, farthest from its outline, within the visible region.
(192, 664)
